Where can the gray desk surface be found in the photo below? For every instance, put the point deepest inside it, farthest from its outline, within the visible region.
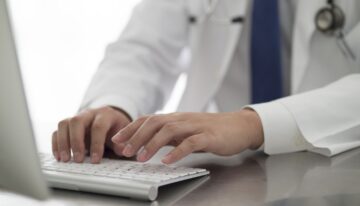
(252, 179)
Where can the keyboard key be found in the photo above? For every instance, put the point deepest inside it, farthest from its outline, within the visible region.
(119, 169)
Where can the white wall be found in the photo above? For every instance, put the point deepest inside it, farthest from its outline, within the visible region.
(61, 43)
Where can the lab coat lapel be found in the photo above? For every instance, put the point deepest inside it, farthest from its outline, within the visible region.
(303, 31)
(212, 49)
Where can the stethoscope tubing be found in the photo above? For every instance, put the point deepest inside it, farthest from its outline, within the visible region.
(209, 7)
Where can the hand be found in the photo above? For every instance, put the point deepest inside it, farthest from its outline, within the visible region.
(89, 130)
(219, 133)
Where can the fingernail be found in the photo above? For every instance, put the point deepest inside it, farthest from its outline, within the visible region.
(64, 156)
(115, 139)
(77, 157)
(143, 156)
(128, 150)
(167, 159)
(95, 158)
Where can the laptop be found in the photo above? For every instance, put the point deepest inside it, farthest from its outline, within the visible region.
(24, 170)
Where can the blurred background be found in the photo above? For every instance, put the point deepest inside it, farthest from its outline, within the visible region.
(60, 45)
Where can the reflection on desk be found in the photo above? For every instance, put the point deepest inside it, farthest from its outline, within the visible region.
(257, 179)
(328, 200)
(252, 178)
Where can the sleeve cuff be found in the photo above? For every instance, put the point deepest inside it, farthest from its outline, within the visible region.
(122, 103)
(281, 133)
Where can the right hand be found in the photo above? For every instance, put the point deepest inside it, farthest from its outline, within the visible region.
(90, 130)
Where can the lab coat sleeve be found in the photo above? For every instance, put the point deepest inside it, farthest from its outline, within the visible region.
(140, 69)
(325, 120)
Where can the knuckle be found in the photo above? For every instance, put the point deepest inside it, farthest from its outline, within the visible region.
(178, 152)
(62, 139)
(76, 143)
(98, 125)
(209, 135)
(76, 120)
(154, 143)
(63, 142)
(155, 119)
(95, 147)
(63, 146)
(136, 141)
(63, 123)
(192, 143)
(171, 127)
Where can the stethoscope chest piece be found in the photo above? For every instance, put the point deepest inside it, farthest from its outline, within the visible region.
(330, 19)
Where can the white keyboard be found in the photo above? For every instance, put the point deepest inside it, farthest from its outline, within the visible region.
(155, 174)
(120, 169)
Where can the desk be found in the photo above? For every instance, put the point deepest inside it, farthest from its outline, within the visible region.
(252, 178)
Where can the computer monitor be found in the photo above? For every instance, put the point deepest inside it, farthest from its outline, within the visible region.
(19, 163)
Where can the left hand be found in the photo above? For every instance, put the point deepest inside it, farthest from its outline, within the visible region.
(219, 133)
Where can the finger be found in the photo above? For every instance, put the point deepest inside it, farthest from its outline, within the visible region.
(169, 132)
(99, 130)
(77, 130)
(55, 146)
(119, 123)
(118, 149)
(145, 132)
(191, 144)
(125, 133)
(63, 140)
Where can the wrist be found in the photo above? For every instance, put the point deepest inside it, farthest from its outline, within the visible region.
(255, 129)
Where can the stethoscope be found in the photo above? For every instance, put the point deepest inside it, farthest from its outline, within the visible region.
(329, 20)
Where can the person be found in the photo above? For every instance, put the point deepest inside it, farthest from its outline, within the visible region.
(282, 76)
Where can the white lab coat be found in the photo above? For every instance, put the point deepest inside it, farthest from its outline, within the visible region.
(322, 113)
